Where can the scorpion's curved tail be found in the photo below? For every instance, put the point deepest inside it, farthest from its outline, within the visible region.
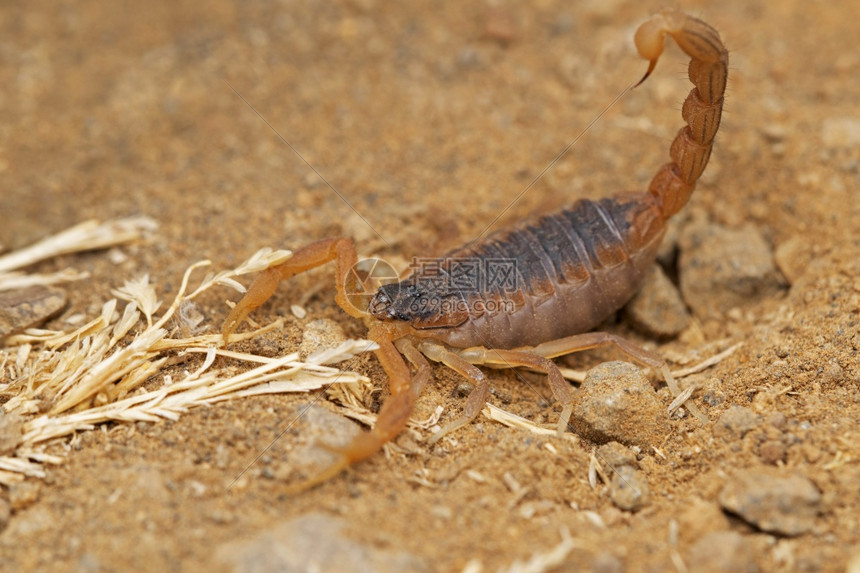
(674, 182)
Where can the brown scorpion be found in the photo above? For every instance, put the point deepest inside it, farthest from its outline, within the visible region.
(573, 269)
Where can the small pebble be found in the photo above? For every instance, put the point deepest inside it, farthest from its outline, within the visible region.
(657, 308)
(736, 422)
(298, 311)
(500, 26)
(616, 455)
(116, 256)
(464, 388)
(772, 452)
(28, 307)
(774, 132)
(772, 500)
(617, 402)
(629, 489)
(24, 494)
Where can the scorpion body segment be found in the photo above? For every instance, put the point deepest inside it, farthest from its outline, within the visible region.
(572, 269)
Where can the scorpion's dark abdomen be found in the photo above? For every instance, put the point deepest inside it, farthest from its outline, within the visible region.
(573, 269)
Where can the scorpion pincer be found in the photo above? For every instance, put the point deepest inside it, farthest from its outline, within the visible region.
(574, 268)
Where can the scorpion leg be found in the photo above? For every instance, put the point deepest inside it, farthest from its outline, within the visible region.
(394, 413)
(404, 387)
(513, 358)
(477, 397)
(538, 358)
(589, 340)
(340, 250)
(404, 391)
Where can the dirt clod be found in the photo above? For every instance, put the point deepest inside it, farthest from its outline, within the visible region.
(24, 494)
(772, 452)
(616, 402)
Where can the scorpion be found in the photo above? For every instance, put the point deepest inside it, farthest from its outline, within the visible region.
(574, 268)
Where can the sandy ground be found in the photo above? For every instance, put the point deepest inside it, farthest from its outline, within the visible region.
(429, 118)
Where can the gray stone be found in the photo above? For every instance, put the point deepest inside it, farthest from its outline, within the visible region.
(297, 459)
(312, 542)
(27, 307)
(657, 308)
(629, 489)
(616, 455)
(773, 501)
(736, 422)
(721, 269)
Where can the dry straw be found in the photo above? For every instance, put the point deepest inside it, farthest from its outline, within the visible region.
(58, 384)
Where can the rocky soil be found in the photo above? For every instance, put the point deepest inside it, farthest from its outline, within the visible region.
(427, 120)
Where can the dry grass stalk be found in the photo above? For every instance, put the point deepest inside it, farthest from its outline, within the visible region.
(65, 383)
(16, 280)
(513, 421)
(86, 236)
(579, 375)
(550, 560)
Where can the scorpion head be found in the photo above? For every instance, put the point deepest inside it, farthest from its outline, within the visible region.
(418, 303)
